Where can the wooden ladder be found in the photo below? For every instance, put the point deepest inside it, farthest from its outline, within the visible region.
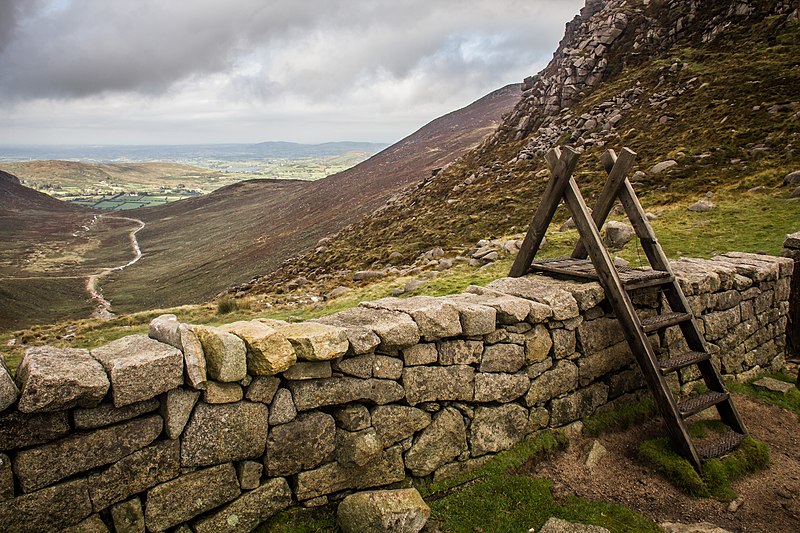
(618, 282)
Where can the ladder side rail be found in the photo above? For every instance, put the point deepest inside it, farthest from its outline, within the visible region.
(617, 172)
(631, 325)
(561, 171)
(678, 302)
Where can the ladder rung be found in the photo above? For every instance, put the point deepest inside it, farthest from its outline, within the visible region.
(683, 360)
(723, 444)
(664, 320)
(701, 402)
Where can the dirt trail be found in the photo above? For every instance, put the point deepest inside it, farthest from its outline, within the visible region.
(103, 308)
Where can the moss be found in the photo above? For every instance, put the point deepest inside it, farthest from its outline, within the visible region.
(789, 401)
(494, 498)
(751, 455)
(620, 418)
(299, 520)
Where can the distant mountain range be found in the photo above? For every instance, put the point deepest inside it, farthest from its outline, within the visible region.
(187, 152)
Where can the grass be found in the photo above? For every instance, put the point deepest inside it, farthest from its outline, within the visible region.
(751, 455)
(621, 418)
(789, 401)
(497, 498)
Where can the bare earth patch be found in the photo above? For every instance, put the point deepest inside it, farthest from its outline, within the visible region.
(770, 499)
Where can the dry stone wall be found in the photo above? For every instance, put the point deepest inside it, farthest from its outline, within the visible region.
(791, 249)
(219, 428)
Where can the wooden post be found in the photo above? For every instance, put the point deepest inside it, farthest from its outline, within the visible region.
(561, 172)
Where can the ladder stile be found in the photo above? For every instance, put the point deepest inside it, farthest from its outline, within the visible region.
(617, 283)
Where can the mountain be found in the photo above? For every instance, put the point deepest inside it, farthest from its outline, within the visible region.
(186, 153)
(711, 86)
(195, 248)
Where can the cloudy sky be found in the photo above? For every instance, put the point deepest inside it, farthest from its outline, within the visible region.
(216, 71)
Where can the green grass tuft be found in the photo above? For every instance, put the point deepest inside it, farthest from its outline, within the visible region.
(496, 499)
(226, 305)
(620, 418)
(751, 455)
(789, 401)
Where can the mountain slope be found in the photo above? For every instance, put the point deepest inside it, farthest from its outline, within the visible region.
(195, 248)
(711, 85)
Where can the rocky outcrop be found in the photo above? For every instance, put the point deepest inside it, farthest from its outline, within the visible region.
(127, 436)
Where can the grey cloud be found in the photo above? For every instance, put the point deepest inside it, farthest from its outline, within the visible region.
(95, 47)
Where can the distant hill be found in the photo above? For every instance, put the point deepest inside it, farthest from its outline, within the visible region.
(712, 88)
(187, 153)
(16, 200)
(198, 247)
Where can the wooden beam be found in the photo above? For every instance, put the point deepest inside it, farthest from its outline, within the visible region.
(617, 169)
(565, 163)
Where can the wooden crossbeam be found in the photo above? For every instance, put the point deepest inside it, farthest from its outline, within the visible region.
(566, 161)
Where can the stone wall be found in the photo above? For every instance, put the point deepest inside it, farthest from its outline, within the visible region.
(791, 249)
(221, 427)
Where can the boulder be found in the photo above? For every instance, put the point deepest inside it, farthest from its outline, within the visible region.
(792, 178)
(268, 350)
(55, 379)
(497, 387)
(311, 370)
(128, 516)
(701, 206)
(397, 422)
(189, 495)
(227, 432)
(50, 509)
(18, 430)
(93, 524)
(658, 168)
(427, 384)
(337, 391)
(502, 358)
(459, 352)
(333, 477)
(43, 466)
(225, 354)
(436, 317)
(249, 474)
(538, 344)
(357, 448)
(392, 329)
(177, 407)
(313, 341)
(194, 358)
(299, 445)
(282, 409)
(262, 389)
(389, 511)
(135, 473)
(6, 478)
(353, 417)
(617, 234)
(386, 367)
(216, 392)
(420, 354)
(553, 383)
(249, 510)
(496, 429)
(438, 444)
(140, 368)
(106, 414)
(166, 329)
(8, 389)
(558, 525)
(362, 275)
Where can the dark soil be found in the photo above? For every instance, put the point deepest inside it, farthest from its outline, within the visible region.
(768, 500)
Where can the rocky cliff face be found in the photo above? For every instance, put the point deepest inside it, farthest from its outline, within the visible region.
(597, 43)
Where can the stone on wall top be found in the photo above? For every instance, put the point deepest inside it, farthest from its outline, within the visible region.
(393, 329)
(792, 241)
(268, 350)
(54, 379)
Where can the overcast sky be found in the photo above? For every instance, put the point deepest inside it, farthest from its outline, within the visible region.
(217, 71)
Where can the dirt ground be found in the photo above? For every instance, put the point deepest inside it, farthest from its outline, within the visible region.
(769, 500)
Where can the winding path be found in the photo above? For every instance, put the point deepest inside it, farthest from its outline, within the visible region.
(103, 308)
